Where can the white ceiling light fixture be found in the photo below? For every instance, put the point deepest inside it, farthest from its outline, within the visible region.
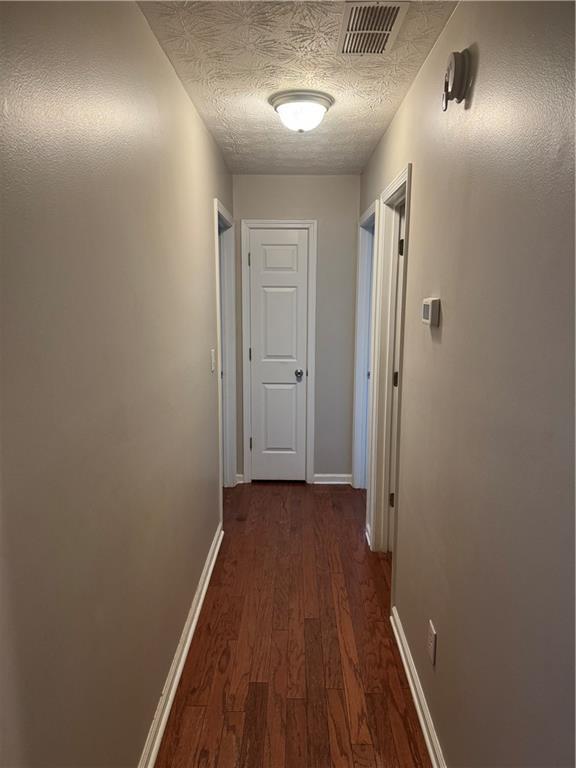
(301, 110)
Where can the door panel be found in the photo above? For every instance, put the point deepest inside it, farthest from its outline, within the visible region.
(280, 323)
(280, 258)
(278, 327)
(280, 417)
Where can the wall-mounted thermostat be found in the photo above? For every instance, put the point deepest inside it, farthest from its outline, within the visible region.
(431, 312)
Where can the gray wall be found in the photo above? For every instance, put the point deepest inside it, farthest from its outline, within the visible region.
(486, 508)
(333, 201)
(108, 407)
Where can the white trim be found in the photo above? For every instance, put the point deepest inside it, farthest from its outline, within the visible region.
(247, 416)
(396, 193)
(366, 240)
(333, 479)
(430, 735)
(368, 534)
(240, 479)
(311, 362)
(152, 745)
(226, 324)
(378, 270)
(311, 226)
(384, 279)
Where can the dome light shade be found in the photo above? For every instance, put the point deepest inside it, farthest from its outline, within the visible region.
(301, 110)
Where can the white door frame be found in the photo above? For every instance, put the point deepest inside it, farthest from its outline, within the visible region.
(226, 333)
(378, 271)
(311, 226)
(396, 194)
(362, 350)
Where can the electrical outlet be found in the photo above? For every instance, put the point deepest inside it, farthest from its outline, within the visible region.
(431, 642)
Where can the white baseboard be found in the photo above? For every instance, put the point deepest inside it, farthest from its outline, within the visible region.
(333, 479)
(368, 532)
(150, 751)
(318, 479)
(424, 715)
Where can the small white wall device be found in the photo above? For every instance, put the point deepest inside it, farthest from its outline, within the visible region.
(431, 312)
(456, 77)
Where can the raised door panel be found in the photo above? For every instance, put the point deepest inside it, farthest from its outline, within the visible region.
(279, 323)
(280, 418)
(280, 257)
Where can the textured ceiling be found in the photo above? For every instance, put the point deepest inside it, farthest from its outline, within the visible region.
(231, 56)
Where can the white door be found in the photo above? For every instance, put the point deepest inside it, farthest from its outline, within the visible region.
(278, 352)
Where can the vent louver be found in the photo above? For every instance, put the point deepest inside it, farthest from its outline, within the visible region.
(370, 27)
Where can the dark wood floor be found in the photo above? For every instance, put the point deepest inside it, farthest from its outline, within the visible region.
(293, 663)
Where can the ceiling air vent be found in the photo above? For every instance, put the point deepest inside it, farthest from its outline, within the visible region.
(370, 27)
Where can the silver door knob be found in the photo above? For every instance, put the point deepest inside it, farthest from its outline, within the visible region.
(299, 373)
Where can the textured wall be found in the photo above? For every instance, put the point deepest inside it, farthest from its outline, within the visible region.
(486, 507)
(333, 201)
(108, 407)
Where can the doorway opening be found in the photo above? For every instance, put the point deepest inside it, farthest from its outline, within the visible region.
(382, 256)
(363, 352)
(367, 365)
(226, 353)
(278, 333)
(395, 222)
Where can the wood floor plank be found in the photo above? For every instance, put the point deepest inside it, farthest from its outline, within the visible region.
(373, 634)
(231, 740)
(319, 528)
(242, 504)
(408, 741)
(386, 567)
(377, 657)
(260, 665)
(253, 738)
(296, 734)
(207, 644)
(275, 745)
(355, 700)
(373, 603)
(339, 730)
(363, 756)
(316, 714)
(329, 527)
(311, 604)
(295, 659)
(180, 741)
(240, 678)
(228, 609)
(381, 731)
(329, 627)
(406, 731)
(208, 744)
(224, 573)
(280, 611)
(253, 645)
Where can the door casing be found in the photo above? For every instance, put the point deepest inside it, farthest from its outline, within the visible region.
(367, 358)
(396, 194)
(225, 265)
(246, 226)
(367, 244)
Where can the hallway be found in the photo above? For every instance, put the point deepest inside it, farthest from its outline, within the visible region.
(286, 394)
(293, 662)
